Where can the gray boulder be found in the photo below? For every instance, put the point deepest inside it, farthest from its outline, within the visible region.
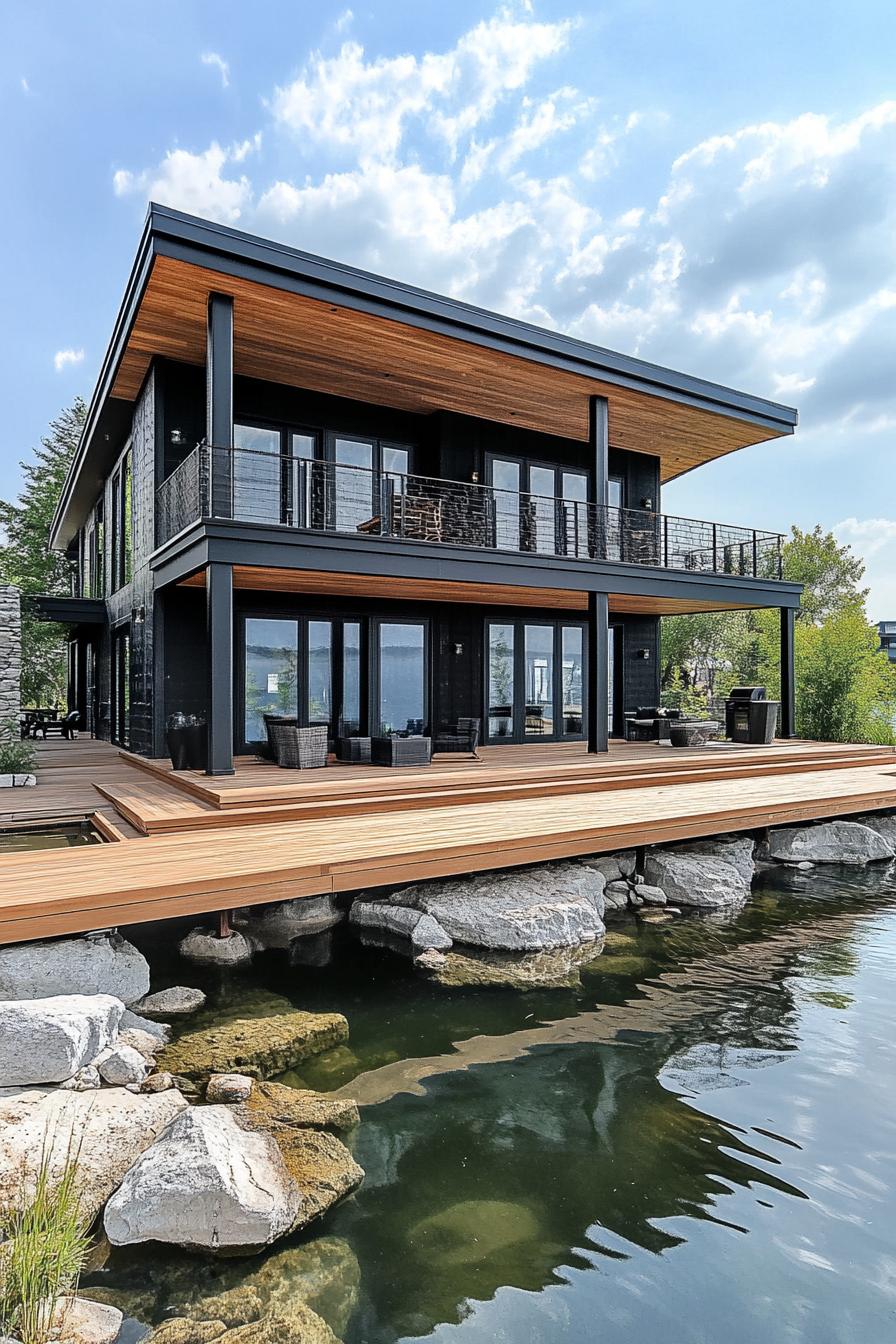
(695, 879)
(121, 1064)
(85, 1080)
(100, 963)
(205, 1183)
(49, 1040)
(278, 925)
(882, 822)
(524, 910)
(423, 931)
(108, 1129)
(613, 867)
(205, 949)
(616, 895)
(829, 842)
(76, 1320)
(651, 895)
(160, 1031)
(734, 849)
(179, 1001)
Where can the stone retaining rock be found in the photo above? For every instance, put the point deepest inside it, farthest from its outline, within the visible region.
(278, 925)
(696, 879)
(260, 1046)
(49, 1040)
(99, 963)
(734, 849)
(523, 910)
(613, 867)
(177, 1002)
(298, 1107)
(206, 949)
(423, 931)
(207, 1183)
(884, 823)
(322, 1168)
(108, 1129)
(558, 968)
(829, 842)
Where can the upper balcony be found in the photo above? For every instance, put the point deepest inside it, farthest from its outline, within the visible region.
(312, 495)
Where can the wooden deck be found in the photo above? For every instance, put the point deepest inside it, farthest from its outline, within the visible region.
(192, 845)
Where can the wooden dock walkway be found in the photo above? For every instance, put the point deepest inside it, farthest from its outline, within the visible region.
(283, 835)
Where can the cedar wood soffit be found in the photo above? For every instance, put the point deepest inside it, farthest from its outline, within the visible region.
(309, 322)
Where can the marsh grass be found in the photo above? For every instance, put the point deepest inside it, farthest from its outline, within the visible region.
(43, 1246)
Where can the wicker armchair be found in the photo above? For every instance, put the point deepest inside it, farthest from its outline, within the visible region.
(299, 748)
(463, 737)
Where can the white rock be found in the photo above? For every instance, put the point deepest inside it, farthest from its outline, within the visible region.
(423, 931)
(121, 1065)
(229, 1087)
(160, 1031)
(176, 1002)
(205, 1183)
(76, 1320)
(829, 842)
(205, 949)
(525, 910)
(17, 781)
(278, 925)
(107, 1130)
(734, 849)
(50, 1040)
(141, 1041)
(431, 960)
(695, 879)
(100, 963)
(85, 1080)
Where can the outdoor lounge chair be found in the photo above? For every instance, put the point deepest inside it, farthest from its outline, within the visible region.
(463, 737)
(65, 727)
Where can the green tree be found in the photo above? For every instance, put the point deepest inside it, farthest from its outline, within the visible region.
(27, 561)
(845, 691)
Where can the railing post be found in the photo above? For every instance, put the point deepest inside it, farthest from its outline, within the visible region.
(755, 555)
(715, 556)
(665, 541)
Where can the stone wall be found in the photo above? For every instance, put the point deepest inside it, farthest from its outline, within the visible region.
(10, 652)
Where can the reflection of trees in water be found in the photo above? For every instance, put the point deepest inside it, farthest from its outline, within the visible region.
(514, 1158)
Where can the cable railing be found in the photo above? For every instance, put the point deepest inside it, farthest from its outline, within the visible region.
(322, 496)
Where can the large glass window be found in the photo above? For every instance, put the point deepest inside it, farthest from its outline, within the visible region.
(352, 483)
(402, 677)
(271, 672)
(542, 484)
(501, 680)
(303, 450)
(506, 479)
(256, 474)
(350, 721)
(320, 671)
(574, 512)
(572, 705)
(539, 672)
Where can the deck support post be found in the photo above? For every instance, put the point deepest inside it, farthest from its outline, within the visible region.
(219, 644)
(219, 402)
(788, 675)
(598, 672)
(599, 441)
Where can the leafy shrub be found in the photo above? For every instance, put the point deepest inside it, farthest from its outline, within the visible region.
(44, 1246)
(17, 754)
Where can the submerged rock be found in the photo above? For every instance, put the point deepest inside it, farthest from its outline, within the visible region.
(301, 1326)
(424, 932)
(696, 879)
(829, 842)
(524, 910)
(472, 1231)
(555, 969)
(98, 963)
(206, 949)
(298, 1107)
(107, 1130)
(178, 1001)
(278, 925)
(274, 1040)
(180, 1330)
(207, 1182)
(49, 1040)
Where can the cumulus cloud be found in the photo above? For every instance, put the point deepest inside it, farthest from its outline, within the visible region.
(199, 183)
(218, 63)
(875, 540)
(64, 358)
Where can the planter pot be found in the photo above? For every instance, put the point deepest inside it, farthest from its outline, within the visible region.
(197, 750)
(177, 748)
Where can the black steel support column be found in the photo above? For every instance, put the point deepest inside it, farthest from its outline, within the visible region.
(219, 401)
(599, 438)
(787, 727)
(598, 672)
(219, 643)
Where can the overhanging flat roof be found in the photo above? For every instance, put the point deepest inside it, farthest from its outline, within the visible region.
(311, 322)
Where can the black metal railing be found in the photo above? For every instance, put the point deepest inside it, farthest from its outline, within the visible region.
(258, 487)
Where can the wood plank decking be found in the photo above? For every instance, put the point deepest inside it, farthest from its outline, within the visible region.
(282, 835)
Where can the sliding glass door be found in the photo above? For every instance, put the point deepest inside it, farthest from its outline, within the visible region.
(271, 669)
(538, 506)
(535, 681)
(401, 677)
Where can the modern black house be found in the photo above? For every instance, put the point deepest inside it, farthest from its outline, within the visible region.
(305, 487)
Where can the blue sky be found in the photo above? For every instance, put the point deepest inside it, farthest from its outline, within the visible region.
(712, 186)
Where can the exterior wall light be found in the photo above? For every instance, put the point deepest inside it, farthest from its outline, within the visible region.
(177, 437)
(458, 649)
(647, 503)
(643, 653)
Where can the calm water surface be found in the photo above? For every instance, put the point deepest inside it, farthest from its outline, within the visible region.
(699, 1145)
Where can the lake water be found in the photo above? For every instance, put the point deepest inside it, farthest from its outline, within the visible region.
(699, 1145)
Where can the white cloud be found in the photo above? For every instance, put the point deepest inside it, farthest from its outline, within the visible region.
(26, 87)
(64, 358)
(874, 539)
(344, 21)
(195, 182)
(218, 63)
